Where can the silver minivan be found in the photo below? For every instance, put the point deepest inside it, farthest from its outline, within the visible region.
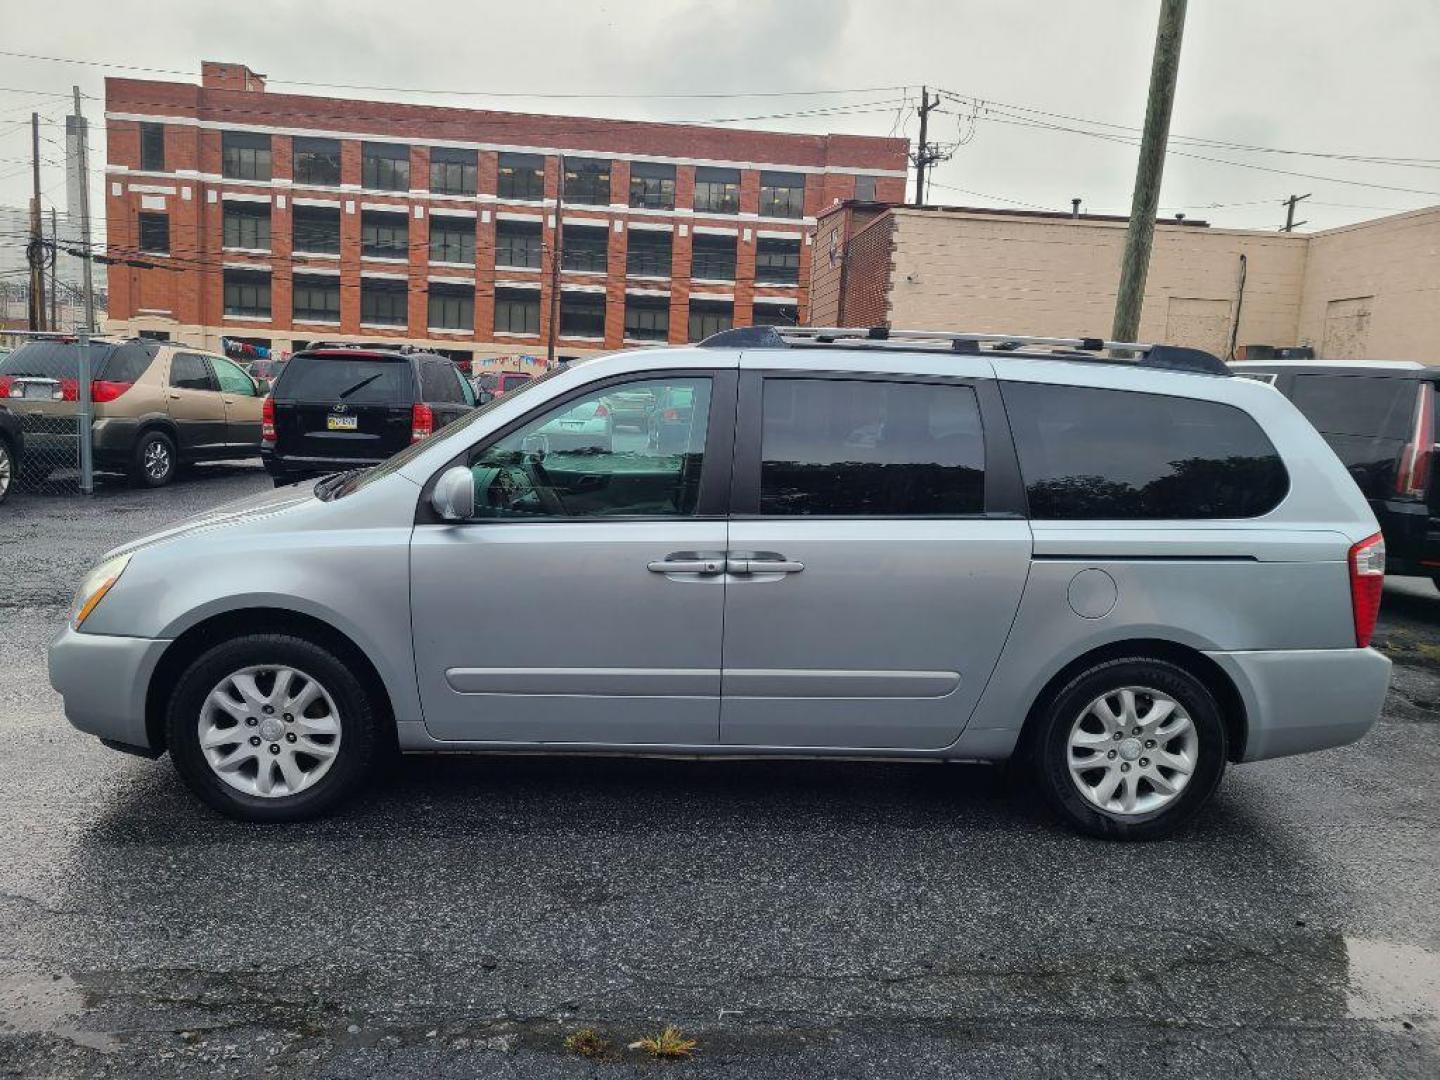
(1125, 572)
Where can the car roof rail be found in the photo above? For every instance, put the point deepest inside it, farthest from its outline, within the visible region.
(1162, 357)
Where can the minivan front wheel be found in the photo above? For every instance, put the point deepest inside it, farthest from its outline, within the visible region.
(1131, 748)
(272, 727)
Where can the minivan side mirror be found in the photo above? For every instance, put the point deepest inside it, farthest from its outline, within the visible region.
(454, 495)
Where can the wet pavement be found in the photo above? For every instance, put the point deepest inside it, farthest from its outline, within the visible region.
(798, 919)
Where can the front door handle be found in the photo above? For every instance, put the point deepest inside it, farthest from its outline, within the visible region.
(763, 564)
(174, 396)
(688, 562)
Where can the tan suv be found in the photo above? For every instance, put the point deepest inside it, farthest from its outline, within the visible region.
(157, 405)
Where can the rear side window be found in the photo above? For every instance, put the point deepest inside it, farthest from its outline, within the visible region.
(127, 363)
(360, 380)
(437, 382)
(191, 372)
(851, 447)
(1114, 454)
(1356, 404)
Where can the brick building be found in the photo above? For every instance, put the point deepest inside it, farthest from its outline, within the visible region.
(281, 219)
(1365, 291)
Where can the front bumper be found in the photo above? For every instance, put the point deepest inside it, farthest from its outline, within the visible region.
(1299, 700)
(104, 681)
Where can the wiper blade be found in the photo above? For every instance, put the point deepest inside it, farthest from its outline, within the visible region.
(362, 383)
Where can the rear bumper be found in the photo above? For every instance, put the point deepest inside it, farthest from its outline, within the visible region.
(1412, 537)
(296, 465)
(1301, 700)
(104, 681)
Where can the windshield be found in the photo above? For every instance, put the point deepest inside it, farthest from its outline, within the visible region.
(360, 380)
(357, 480)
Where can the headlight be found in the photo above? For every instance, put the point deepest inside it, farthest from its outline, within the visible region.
(93, 589)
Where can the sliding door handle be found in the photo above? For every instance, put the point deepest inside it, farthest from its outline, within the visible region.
(763, 566)
(687, 562)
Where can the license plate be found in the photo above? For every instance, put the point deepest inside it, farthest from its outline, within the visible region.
(41, 391)
(342, 423)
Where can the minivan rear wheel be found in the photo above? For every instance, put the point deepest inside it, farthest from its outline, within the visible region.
(272, 727)
(153, 462)
(1131, 749)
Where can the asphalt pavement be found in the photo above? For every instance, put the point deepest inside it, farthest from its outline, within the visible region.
(797, 919)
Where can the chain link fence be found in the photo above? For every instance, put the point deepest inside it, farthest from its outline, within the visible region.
(45, 402)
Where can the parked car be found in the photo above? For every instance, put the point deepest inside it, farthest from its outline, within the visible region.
(587, 428)
(157, 405)
(508, 381)
(632, 408)
(1125, 574)
(341, 408)
(670, 419)
(1379, 418)
(12, 448)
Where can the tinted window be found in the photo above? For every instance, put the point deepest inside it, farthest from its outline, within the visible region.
(1356, 404)
(852, 447)
(437, 382)
(190, 372)
(58, 360)
(571, 462)
(360, 380)
(127, 363)
(1088, 453)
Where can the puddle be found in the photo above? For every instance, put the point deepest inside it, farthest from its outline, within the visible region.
(1390, 982)
(35, 1004)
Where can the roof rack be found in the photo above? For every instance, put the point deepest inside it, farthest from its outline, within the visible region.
(1165, 357)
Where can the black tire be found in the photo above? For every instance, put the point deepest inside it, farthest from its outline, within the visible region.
(1051, 747)
(153, 462)
(362, 744)
(9, 469)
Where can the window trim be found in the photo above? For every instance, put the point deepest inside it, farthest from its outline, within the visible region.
(1004, 493)
(716, 470)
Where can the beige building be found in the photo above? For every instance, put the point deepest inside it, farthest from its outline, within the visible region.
(1365, 291)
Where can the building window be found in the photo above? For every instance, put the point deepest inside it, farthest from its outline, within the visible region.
(648, 253)
(155, 234)
(385, 167)
(647, 318)
(316, 299)
(776, 315)
(152, 147)
(247, 293)
(452, 240)
(582, 314)
(317, 161)
(384, 235)
(584, 248)
(710, 317)
(517, 311)
(782, 194)
(452, 307)
(713, 257)
(652, 185)
(777, 262)
(518, 244)
(316, 229)
(587, 181)
(522, 176)
(247, 225)
(865, 188)
(244, 156)
(453, 172)
(385, 303)
(717, 191)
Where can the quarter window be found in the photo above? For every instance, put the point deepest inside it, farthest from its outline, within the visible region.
(244, 155)
(385, 167)
(856, 448)
(572, 462)
(317, 161)
(1114, 454)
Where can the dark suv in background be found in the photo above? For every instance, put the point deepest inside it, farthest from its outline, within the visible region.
(1379, 418)
(336, 408)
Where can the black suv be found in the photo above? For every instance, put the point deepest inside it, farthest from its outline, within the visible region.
(336, 408)
(1379, 418)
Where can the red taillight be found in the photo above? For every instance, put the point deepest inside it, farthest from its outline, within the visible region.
(601, 412)
(267, 419)
(70, 389)
(1412, 478)
(1367, 582)
(422, 422)
(670, 414)
(102, 390)
(5, 383)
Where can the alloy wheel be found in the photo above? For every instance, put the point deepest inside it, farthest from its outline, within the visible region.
(269, 731)
(1132, 750)
(157, 460)
(6, 472)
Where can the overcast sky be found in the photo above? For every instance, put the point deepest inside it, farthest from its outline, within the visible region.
(1332, 77)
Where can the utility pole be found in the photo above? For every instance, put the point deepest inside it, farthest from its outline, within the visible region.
(86, 405)
(36, 251)
(555, 246)
(923, 155)
(1290, 221)
(54, 263)
(1146, 200)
